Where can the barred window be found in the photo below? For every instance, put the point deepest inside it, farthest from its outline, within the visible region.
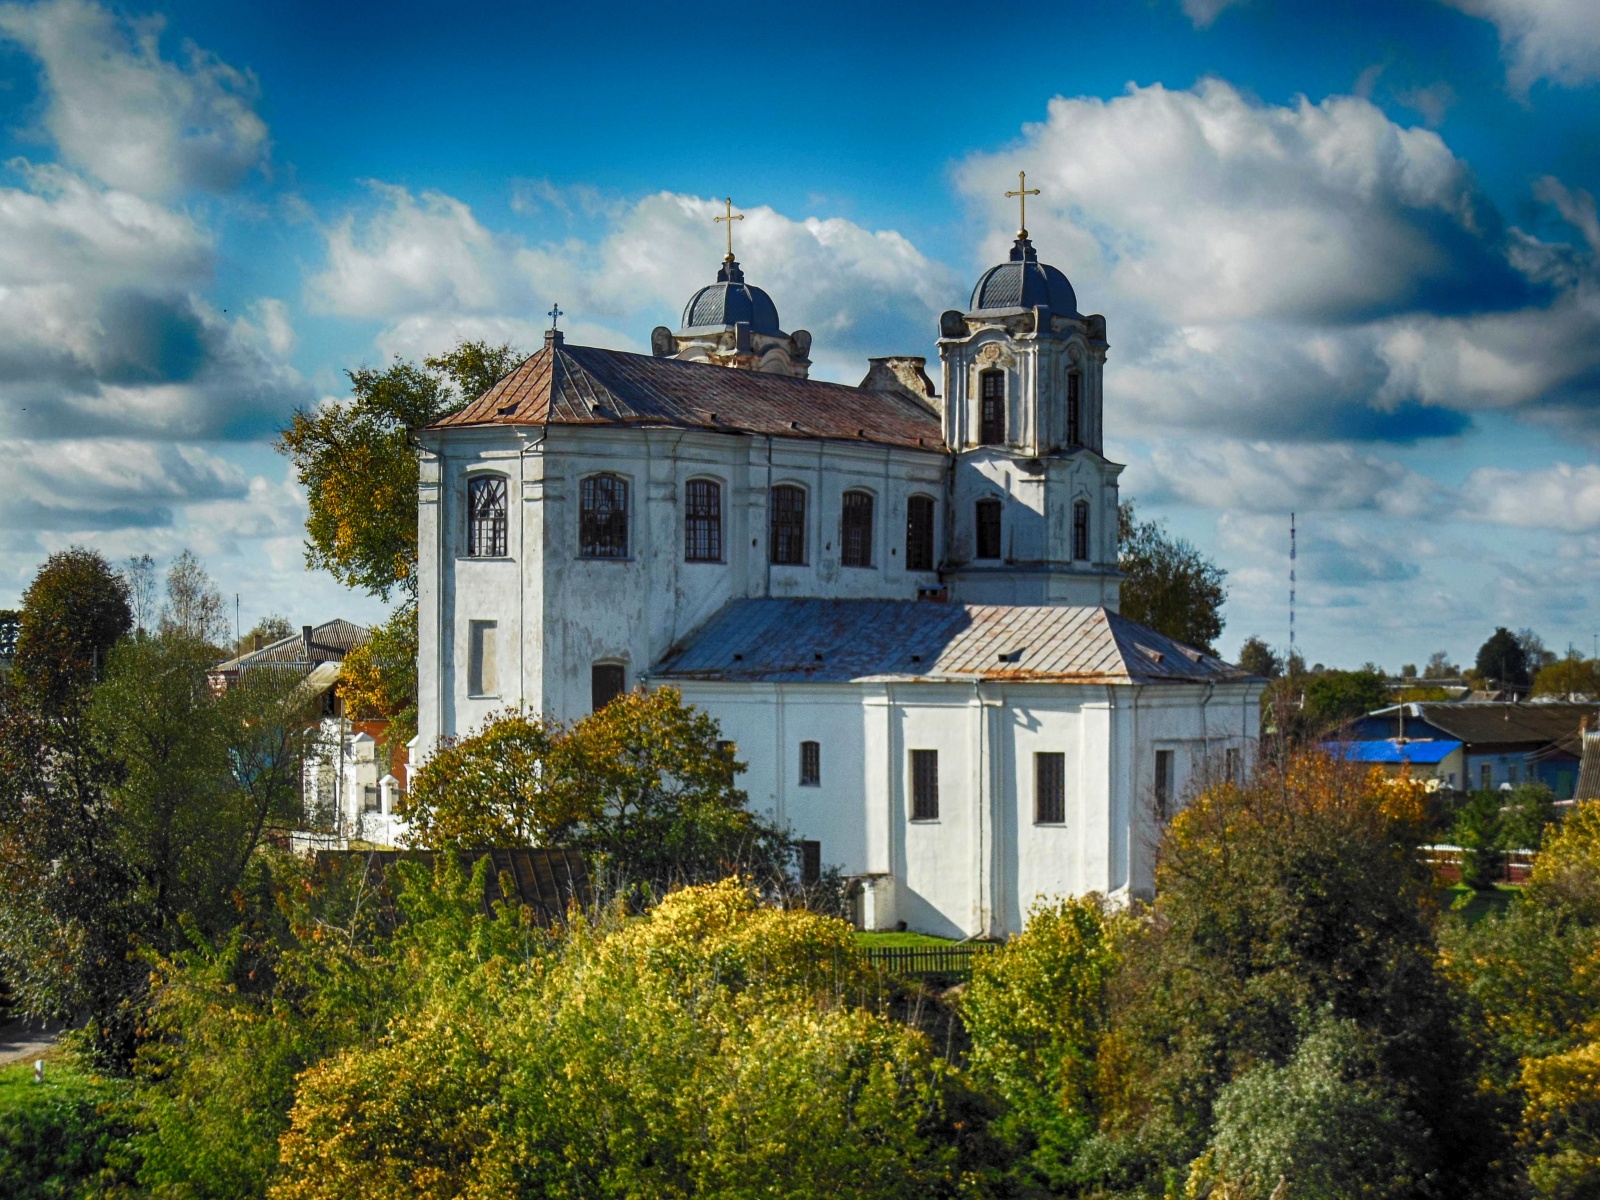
(1074, 409)
(810, 764)
(603, 517)
(988, 529)
(607, 681)
(810, 863)
(855, 531)
(992, 408)
(486, 516)
(919, 533)
(924, 785)
(1080, 530)
(702, 523)
(788, 542)
(1164, 783)
(1049, 788)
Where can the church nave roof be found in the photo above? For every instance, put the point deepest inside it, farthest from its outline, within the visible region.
(585, 385)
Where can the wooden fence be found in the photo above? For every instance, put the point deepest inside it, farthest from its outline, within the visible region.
(928, 962)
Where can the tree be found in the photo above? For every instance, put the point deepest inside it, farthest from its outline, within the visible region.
(1535, 652)
(273, 627)
(139, 573)
(193, 610)
(72, 614)
(1503, 661)
(1572, 676)
(378, 678)
(1169, 586)
(1440, 667)
(1408, 671)
(1257, 657)
(1335, 697)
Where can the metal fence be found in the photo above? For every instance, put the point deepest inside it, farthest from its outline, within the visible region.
(924, 962)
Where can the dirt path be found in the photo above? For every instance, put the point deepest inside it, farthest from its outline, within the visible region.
(24, 1040)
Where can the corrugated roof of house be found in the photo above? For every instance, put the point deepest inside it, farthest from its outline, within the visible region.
(837, 641)
(1505, 722)
(585, 385)
(1589, 769)
(330, 642)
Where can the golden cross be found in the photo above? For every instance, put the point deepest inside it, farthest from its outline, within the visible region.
(1022, 193)
(730, 219)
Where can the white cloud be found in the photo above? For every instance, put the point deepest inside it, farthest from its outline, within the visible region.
(129, 117)
(1204, 12)
(1561, 497)
(1557, 40)
(1260, 477)
(95, 483)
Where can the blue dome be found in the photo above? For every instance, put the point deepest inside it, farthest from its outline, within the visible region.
(729, 301)
(1024, 282)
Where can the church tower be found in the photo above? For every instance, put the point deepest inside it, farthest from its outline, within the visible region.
(1033, 516)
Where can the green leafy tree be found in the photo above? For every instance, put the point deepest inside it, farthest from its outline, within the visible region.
(273, 627)
(1334, 697)
(72, 614)
(1477, 830)
(1526, 817)
(1573, 675)
(194, 608)
(1257, 657)
(377, 680)
(1503, 660)
(1168, 585)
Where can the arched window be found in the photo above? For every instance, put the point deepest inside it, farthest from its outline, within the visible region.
(1080, 530)
(855, 530)
(988, 529)
(919, 533)
(788, 513)
(603, 517)
(486, 516)
(1074, 408)
(702, 521)
(992, 408)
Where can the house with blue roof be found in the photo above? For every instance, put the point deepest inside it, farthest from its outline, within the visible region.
(1442, 759)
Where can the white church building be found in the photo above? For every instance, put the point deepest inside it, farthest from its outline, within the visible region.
(899, 601)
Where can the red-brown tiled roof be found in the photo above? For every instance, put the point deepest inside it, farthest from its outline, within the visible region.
(584, 385)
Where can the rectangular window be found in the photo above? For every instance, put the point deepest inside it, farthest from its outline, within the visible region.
(603, 517)
(1230, 765)
(987, 528)
(369, 798)
(483, 678)
(1486, 776)
(486, 516)
(919, 533)
(810, 764)
(1164, 782)
(788, 516)
(810, 863)
(924, 785)
(1080, 531)
(855, 530)
(702, 521)
(1049, 788)
(1074, 409)
(992, 408)
(607, 681)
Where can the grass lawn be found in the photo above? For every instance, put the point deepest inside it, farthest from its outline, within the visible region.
(53, 1135)
(1475, 905)
(880, 941)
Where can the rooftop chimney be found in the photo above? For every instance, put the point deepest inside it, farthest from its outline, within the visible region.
(305, 639)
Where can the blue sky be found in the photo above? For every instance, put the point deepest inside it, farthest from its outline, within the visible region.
(1347, 254)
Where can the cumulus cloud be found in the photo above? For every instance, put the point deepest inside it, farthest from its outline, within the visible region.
(1204, 12)
(99, 483)
(427, 264)
(1333, 552)
(1260, 477)
(1556, 40)
(1306, 271)
(129, 117)
(1561, 497)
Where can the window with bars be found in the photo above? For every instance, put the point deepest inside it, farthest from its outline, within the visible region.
(855, 530)
(810, 862)
(1074, 409)
(788, 516)
(1164, 782)
(603, 517)
(1080, 530)
(924, 785)
(486, 516)
(810, 764)
(607, 681)
(702, 521)
(919, 533)
(1049, 788)
(991, 408)
(987, 528)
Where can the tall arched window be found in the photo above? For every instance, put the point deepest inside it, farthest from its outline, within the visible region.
(787, 545)
(855, 530)
(486, 516)
(988, 529)
(992, 408)
(1074, 408)
(919, 533)
(702, 521)
(1080, 530)
(603, 517)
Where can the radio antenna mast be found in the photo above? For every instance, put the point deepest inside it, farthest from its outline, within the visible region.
(1292, 551)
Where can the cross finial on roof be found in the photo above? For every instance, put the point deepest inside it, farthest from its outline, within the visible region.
(555, 314)
(1022, 193)
(730, 219)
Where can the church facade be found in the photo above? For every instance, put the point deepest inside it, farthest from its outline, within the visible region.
(899, 600)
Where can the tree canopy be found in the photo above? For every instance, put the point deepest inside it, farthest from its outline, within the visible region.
(1503, 660)
(72, 614)
(1257, 657)
(1168, 585)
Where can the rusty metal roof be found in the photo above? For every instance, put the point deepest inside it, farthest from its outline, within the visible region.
(840, 641)
(584, 385)
(330, 642)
